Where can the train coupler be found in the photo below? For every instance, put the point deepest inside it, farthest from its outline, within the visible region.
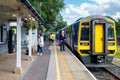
(97, 58)
(100, 59)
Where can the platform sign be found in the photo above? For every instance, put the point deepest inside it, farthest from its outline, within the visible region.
(14, 30)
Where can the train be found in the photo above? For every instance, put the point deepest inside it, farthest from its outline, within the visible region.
(93, 39)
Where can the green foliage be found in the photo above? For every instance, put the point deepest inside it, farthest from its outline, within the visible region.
(117, 27)
(35, 25)
(60, 25)
(30, 24)
(118, 52)
(48, 9)
(26, 26)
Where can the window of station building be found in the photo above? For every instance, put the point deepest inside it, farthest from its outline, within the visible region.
(3, 34)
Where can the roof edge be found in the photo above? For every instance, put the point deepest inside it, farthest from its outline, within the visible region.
(34, 11)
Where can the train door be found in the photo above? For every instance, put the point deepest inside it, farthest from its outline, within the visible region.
(99, 38)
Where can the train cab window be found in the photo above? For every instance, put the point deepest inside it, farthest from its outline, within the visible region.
(85, 33)
(110, 33)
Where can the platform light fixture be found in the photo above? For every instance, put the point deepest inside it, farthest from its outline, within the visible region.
(14, 15)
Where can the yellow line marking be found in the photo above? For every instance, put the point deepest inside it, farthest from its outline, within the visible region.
(57, 65)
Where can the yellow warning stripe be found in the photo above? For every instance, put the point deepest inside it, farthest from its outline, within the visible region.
(57, 65)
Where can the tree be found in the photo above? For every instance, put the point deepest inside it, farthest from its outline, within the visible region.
(60, 23)
(49, 9)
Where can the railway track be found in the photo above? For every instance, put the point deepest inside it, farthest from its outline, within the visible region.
(108, 73)
(114, 70)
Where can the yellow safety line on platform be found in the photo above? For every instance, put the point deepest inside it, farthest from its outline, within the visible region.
(57, 65)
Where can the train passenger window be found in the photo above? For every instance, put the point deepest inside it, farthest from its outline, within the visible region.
(110, 33)
(85, 33)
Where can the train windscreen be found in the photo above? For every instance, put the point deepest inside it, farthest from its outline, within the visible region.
(85, 33)
(110, 34)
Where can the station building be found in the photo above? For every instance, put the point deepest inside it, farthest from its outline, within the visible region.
(12, 34)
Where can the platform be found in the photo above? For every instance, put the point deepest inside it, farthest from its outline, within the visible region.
(57, 65)
(52, 65)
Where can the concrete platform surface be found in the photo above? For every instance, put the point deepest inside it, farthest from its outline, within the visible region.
(8, 65)
(71, 68)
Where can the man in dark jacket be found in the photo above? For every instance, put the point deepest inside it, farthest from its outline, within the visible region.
(62, 39)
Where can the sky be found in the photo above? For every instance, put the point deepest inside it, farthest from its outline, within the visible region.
(75, 9)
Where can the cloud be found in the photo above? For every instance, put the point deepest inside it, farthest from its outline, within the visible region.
(103, 7)
(72, 13)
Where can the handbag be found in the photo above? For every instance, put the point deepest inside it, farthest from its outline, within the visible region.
(41, 45)
(59, 42)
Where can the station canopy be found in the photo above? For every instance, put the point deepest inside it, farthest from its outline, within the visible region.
(10, 8)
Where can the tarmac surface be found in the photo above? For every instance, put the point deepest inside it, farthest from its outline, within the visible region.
(38, 70)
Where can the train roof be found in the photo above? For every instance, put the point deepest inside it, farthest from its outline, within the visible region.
(89, 17)
(93, 17)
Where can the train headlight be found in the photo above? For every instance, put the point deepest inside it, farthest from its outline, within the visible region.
(85, 51)
(84, 43)
(111, 51)
(111, 44)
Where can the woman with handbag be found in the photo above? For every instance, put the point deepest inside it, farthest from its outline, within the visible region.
(62, 40)
(40, 44)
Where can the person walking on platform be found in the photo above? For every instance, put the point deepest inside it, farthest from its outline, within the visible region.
(40, 44)
(62, 40)
(51, 40)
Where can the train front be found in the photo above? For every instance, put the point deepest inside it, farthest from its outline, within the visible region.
(97, 39)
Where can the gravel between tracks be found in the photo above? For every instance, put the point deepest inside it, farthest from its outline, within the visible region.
(101, 74)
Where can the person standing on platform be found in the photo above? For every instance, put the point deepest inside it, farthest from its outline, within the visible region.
(62, 41)
(40, 44)
(51, 40)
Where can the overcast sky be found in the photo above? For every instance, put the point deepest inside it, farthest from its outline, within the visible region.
(75, 9)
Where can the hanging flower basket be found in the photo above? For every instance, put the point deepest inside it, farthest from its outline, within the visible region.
(30, 23)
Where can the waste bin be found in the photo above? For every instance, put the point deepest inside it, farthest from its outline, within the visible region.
(10, 42)
(27, 51)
